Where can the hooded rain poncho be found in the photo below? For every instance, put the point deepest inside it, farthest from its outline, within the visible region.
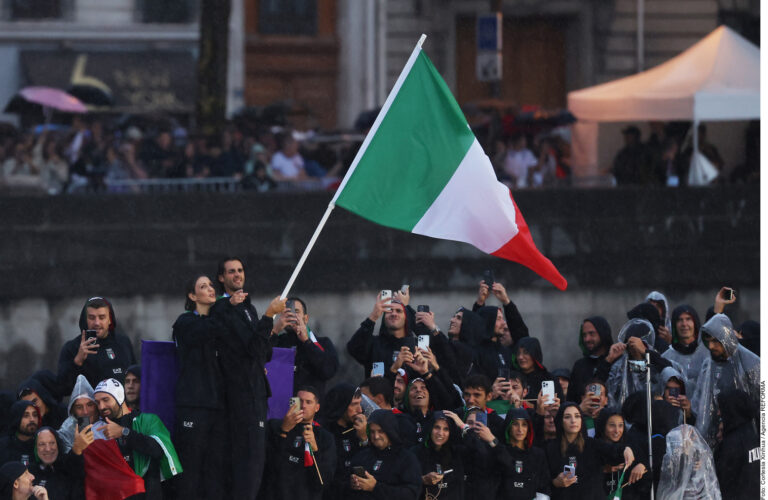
(687, 470)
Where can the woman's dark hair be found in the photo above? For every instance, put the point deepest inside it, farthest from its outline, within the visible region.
(579, 440)
(189, 287)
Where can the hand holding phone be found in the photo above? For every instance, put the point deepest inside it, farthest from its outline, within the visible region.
(82, 423)
(423, 342)
(569, 471)
(377, 369)
(548, 389)
(358, 470)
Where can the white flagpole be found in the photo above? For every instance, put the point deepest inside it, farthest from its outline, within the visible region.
(353, 166)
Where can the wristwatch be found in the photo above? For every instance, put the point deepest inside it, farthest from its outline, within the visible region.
(126, 431)
(493, 443)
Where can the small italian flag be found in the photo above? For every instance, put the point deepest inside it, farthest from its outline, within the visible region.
(421, 169)
(616, 494)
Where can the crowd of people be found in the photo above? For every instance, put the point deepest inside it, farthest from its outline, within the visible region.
(664, 159)
(95, 154)
(92, 153)
(469, 413)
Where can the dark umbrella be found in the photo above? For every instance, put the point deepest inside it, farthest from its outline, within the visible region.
(92, 95)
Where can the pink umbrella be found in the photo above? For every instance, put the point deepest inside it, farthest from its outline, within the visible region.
(53, 98)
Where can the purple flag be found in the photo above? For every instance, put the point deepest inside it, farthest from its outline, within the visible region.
(159, 372)
(280, 375)
(158, 380)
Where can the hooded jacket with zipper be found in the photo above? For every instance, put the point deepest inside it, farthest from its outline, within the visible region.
(56, 414)
(539, 373)
(590, 366)
(524, 471)
(13, 449)
(395, 468)
(348, 443)
(113, 357)
(490, 354)
(367, 348)
(448, 458)
(200, 382)
(738, 456)
(292, 475)
(244, 349)
(588, 462)
(63, 479)
(690, 357)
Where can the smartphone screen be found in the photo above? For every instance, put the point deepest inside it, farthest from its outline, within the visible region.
(482, 417)
(83, 422)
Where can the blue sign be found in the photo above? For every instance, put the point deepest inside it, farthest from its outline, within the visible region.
(489, 32)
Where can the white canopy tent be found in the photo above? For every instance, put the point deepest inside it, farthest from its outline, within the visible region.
(718, 78)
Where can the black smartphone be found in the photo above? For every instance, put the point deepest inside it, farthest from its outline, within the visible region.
(503, 372)
(674, 391)
(488, 277)
(83, 422)
(410, 342)
(728, 294)
(422, 309)
(91, 334)
(358, 470)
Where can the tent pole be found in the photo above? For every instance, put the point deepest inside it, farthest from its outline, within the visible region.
(640, 35)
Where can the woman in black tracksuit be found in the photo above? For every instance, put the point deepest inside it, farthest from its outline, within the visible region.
(572, 447)
(201, 426)
(440, 457)
(525, 471)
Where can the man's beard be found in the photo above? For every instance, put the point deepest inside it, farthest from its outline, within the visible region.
(718, 357)
(24, 430)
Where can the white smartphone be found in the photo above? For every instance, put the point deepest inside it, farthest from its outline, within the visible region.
(377, 369)
(386, 294)
(548, 389)
(569, 470)
(424, 342)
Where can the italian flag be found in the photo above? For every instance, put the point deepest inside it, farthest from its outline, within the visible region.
(421, 169)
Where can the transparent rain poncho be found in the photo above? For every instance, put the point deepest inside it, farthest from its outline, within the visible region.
(66, 432)
(740, 371)
(687, 469)
(622, 381)
(659, 297)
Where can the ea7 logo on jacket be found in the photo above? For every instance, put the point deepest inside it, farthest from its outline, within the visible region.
(293, 459)
(188, 424)
(755, 454)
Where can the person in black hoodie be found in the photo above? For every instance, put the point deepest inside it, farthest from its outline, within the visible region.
(529, 358)
(572, 447)
(244, 349)
(99, 355)
(749, 336)
(62, 474)
(440, 457)
(596, 343)
(738, 456)
(517, 327)
(665, 417)
(302, 453)
(490, 354)
(18, 445)
(396, 332)
(52, 413)
(464, 330)
(200, 421)
(609, 427)
(389, 471)
(525, 470)
(342, 416)
(316, 359)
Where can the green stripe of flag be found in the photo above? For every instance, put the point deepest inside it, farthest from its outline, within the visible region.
(413, 154)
